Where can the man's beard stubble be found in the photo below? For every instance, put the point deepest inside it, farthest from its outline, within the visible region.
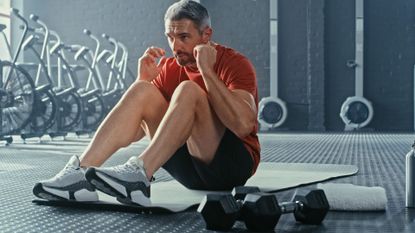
(185, 59)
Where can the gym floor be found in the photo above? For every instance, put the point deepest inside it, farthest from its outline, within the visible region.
(379, 156)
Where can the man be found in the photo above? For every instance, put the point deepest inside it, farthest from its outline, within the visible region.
(198, 108)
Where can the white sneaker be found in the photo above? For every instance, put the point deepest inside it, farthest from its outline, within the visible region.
(68, 185)
(128, 182)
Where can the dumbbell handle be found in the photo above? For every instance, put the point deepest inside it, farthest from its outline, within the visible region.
(291, 207)
(239, 203)
(285, 207)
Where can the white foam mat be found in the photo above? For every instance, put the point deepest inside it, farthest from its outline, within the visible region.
(173, 196)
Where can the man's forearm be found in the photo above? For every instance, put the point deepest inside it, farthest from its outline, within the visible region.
(234, 112)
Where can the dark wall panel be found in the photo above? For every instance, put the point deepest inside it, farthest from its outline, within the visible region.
(292, 61)
(388, 61)
(390, 57)
(339, 47)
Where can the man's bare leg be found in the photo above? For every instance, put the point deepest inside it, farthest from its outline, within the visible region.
(141, 105)
(190, 119)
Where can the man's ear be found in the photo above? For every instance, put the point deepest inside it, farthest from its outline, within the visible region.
(207, 34)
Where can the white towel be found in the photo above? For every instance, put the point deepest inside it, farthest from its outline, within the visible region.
(349, 197)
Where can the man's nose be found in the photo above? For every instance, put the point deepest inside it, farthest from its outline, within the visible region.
(175, 45)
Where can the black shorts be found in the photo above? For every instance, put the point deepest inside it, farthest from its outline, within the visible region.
(231, 166)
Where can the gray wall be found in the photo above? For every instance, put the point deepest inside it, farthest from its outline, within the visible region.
(316, 38)
(244, 26)
(136, 23)
(139, 24)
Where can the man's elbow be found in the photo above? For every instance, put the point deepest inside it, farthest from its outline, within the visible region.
(245, 127)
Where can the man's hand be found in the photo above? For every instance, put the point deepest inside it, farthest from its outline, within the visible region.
(205, 55)
(148, 69)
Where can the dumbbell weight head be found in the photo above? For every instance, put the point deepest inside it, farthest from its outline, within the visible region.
(314, 207)
(219, 211)
(240, 192)
(260, 211)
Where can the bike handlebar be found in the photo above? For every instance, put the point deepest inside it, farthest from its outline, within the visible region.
(36, 19)
(98, 45)
(16, 12)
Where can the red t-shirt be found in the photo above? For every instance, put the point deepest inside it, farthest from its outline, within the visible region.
(232, 68)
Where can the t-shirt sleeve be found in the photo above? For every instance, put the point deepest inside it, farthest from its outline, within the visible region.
(240, 74)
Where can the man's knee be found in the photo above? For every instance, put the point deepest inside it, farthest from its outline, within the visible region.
(143, 91)
(188, 91)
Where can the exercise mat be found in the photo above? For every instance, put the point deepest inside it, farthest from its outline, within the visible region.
(171, 196)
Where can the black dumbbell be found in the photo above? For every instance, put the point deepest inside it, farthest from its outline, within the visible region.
(260, 211)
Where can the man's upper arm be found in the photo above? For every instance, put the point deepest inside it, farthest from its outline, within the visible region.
(240, 75)
(242, 81)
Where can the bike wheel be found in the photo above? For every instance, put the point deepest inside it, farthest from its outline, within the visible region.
(94, 112)
(70, 110)
(17, 97)
(44, 110)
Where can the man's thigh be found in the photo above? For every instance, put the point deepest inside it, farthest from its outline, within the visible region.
(207, 130)
(153, 112)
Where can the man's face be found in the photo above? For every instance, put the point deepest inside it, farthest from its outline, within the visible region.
(183, 36)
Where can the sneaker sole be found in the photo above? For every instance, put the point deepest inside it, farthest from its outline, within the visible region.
(84, 195)
(39, 192)
(140, 199)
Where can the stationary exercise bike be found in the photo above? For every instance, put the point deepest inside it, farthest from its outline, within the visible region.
(17, 96)
(45, 104)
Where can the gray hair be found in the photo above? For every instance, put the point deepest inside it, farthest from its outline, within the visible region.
(187, 9)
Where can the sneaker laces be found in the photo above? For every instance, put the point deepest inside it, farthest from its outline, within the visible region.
(127, 167)
(132, 166)
(67, 170)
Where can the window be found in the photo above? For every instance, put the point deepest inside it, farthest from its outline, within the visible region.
(5, 19)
